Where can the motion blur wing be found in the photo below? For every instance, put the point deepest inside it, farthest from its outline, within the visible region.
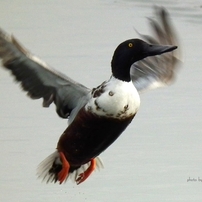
(157, 71)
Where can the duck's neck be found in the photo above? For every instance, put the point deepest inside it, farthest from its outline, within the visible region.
(121, 70)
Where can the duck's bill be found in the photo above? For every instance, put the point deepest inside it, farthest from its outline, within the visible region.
(159, 49)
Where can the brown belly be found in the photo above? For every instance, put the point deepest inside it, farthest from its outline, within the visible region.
(89, 135)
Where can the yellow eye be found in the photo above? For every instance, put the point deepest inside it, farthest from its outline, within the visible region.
(130, 45)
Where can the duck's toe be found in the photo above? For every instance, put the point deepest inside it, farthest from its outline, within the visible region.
(83, 176)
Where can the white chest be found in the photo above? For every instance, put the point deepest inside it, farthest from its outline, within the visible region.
(114, 98)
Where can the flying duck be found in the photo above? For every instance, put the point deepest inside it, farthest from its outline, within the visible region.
(96, 117)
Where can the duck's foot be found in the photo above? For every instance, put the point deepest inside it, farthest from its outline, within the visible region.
(83, 176)
(63, 174)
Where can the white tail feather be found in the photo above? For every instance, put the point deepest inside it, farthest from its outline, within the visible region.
(44, 167)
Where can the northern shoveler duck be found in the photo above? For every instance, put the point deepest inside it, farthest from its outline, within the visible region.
(97, 116)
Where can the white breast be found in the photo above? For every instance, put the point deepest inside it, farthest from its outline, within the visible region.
(117, 99)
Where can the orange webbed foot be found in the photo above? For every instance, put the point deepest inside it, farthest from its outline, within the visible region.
(83, 176)
(62, 175)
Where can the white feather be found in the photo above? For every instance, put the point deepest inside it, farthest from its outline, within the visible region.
(124, 94)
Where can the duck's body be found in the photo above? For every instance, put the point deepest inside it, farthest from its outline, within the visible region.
(99, 122)
(96, 117)
(111, 107)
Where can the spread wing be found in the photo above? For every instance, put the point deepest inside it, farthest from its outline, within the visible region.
(38, 79)
(158, 71)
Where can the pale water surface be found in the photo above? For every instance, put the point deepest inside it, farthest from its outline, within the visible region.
(157, 154)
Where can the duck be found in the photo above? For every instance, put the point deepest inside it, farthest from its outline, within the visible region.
(97, 116)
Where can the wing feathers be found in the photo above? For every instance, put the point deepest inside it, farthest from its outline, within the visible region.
(38, 79)
(157, 71)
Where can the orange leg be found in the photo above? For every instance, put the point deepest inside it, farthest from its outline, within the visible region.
(83, 176)
(62, 175)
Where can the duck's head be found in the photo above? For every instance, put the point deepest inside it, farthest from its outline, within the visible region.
(131, 51)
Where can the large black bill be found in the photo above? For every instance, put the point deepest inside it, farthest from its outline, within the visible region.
(159, 49)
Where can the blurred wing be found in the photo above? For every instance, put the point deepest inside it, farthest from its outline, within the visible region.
(38, 79)
(157, 71)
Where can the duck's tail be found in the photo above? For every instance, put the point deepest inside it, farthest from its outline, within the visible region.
(50, 167)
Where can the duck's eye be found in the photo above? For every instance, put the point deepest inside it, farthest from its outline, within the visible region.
(130, 45)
